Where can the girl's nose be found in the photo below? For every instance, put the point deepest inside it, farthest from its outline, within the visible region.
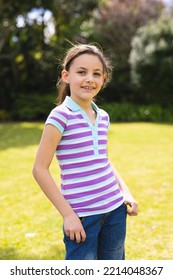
(89, 78)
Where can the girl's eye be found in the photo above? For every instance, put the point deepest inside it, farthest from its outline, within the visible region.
(81, 72)
(97, 74)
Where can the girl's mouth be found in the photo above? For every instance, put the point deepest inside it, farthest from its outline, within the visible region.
(88, 87)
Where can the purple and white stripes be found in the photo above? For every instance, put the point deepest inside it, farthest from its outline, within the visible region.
(87, 180)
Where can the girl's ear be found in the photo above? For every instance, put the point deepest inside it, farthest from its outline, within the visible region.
(65, 76)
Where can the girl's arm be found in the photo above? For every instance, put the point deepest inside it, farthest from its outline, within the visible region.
(128, 198)
(50, 139)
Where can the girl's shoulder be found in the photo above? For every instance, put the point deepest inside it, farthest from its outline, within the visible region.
(58, 117)
(104, 114)
(60, 110)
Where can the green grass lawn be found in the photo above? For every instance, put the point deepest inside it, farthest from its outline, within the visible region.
(30, 227)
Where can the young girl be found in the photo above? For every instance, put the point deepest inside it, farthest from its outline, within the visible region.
(93, 198)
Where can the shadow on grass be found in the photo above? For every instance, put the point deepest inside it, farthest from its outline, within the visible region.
(14, 135)
(10, 253)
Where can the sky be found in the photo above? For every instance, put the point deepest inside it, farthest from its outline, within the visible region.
(168, 2)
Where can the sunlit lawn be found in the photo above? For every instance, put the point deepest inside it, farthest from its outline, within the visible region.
(30, 228)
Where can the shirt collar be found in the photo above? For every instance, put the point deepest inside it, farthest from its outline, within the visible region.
(72, 105)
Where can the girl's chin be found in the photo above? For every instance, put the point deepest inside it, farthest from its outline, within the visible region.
(89, 93)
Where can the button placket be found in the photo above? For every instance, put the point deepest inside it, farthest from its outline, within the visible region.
(94, 130)
(95, 140)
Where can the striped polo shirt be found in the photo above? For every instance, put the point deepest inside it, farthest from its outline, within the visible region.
(88, 182)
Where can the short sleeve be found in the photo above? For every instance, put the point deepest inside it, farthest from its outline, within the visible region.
(105, 117)
(58, 118)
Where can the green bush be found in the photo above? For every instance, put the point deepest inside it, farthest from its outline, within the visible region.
(32, 107)
(4, 115)
(36, 107)
(127, 112)
(151, 61)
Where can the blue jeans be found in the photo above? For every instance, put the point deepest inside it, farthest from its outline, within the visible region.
(105, 237)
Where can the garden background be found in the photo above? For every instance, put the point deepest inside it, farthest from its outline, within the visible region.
(138, 38)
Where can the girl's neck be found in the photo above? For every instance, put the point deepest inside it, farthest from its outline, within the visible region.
(84, 104)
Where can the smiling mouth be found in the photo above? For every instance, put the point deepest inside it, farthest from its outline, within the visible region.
(88, 88)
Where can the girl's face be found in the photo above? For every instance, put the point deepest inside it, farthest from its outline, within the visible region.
(85, 77)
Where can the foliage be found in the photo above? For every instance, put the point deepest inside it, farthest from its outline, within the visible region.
(114, 24)
(4, 116)
(32, 107)
(34, 36)
(151, 61)
(25, 61)
(128, 112)
(28, 52)
(35, 107)
(32, 229)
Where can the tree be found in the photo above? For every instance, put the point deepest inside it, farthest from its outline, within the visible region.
(15, 49)
(151, 61)
(28, 58)
(114, 24)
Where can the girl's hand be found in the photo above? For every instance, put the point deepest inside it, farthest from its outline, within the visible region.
(73, 228)
(133, 209)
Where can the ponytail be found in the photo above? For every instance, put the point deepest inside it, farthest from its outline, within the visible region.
(63, 91)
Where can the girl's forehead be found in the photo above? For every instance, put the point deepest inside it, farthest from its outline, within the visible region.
(87, 61)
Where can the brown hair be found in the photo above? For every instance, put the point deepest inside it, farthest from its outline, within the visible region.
(74, 52)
